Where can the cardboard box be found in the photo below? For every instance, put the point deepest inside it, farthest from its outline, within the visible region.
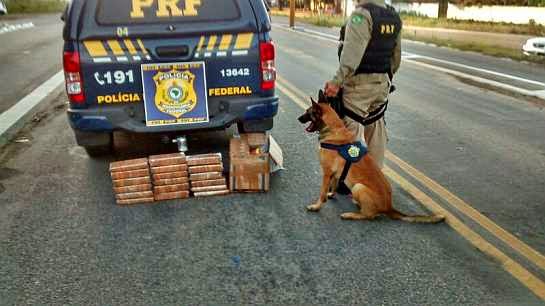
(238, 148)
(255, 140)
(250, 174)
(249, 168)
(167, 159)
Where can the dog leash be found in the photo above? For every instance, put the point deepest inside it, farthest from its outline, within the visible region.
(338, 105)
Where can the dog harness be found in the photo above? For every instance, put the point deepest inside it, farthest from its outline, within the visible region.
(351, 152)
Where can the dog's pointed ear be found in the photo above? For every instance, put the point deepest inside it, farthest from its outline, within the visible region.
(321, 97)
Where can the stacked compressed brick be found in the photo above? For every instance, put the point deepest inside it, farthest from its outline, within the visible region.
(206, 175)
(170, 176)
(131, 181)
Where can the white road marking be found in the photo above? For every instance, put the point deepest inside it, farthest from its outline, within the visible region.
(538, 94)
(508, 76)
(11, 117)
(409, 56)
(8, 28)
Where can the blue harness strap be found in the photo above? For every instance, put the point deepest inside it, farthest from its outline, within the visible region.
(351, 152)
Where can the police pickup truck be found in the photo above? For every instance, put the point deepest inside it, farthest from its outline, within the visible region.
(167, 66)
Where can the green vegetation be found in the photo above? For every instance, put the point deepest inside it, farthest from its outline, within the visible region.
(468, 3)
(414, 20)
(323, 21)
(481, 48)
(35, 6)
(318, 20)
(532, 28)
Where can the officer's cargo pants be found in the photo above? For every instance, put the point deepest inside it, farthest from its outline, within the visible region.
(363, 94)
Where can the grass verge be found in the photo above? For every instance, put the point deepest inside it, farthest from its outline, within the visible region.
(318, 20)
(35, 6)
(531, 28)
(481, 48)
(515, 54)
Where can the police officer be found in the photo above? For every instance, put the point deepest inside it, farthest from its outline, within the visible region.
(370, 54)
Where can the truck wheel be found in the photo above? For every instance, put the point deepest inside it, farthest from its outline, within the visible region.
(255, 126)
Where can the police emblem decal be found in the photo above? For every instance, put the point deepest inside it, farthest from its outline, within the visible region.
(357, 19)
(354, 151)
(175, 92)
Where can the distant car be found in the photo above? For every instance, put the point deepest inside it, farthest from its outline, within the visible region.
(3, 8)
(534, 46)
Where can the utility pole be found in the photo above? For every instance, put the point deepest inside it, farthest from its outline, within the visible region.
(292, 13)
(443, 8)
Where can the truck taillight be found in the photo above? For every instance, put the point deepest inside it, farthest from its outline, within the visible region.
(72, 77)
(268, 70)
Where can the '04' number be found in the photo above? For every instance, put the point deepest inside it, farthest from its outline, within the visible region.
(235, 72)
(118, 77)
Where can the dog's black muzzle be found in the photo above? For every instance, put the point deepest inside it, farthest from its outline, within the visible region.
(304, 118)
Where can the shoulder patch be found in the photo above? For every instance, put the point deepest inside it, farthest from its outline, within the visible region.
(357, 19)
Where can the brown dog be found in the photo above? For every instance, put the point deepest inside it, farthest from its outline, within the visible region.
(370, 189)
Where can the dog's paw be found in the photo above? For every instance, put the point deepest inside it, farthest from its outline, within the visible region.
(346, 216)
(331, 195)
(314, 208)
(352, 216)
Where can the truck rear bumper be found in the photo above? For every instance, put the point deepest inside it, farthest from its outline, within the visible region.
(131, 118)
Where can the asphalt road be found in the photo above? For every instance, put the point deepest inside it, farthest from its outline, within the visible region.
(64, 241)
(28, 57)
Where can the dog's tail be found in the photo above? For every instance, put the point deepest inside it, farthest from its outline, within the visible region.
(396, 215)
